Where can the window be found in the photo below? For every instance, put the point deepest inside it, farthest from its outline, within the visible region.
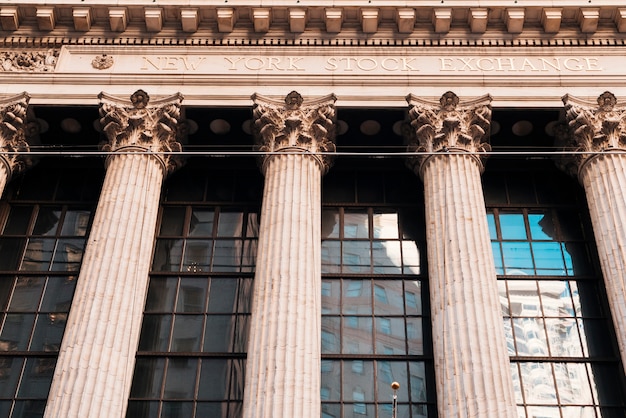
(192, 348)
(375, 322)
(558, 329)
(44, 226)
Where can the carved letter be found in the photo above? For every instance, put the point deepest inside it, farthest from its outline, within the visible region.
(388, 68)
(292, 63)
(479, 64)
(556, 66)
(146, 61)
(233, 62)
(331, 64)
(573, 67)
(509, 63)
(406, 64)
(191, 65)
(446, 64)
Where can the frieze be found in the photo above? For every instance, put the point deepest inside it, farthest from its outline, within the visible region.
(29, 61)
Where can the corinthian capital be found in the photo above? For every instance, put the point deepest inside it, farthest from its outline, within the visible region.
(295, 125)
(450, 125)
(141, 125)
(15, 130)
(592, 128)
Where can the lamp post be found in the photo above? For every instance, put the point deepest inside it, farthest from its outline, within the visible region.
(394, 404)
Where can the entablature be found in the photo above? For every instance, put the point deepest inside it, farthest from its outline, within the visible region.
(305, 21)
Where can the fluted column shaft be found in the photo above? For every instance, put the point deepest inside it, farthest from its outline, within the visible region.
(604, 180)
(94, 370)
(283, 366)
(472, 369)
(597, 130)
(284, 350)
(95, 366)
(471, 362)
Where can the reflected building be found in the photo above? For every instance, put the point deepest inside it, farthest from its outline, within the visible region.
(239, 211)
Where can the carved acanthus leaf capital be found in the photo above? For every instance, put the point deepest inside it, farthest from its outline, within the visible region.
(450, 125)
(15, 130)
(142, 125)
(295, 125)
(592, 128)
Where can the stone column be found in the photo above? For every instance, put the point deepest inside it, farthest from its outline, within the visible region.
(472, 370)
(14, 130)
(95, 366)
(597, 132)
(283, 364)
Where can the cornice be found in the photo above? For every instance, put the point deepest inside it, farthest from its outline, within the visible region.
(198, 22)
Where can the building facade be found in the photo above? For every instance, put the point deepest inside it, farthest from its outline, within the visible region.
(238, 210)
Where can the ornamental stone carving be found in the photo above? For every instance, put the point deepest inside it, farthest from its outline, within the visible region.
(29, 61)
(450, 125)
(102, 62)
(15, 131)
(296, 126)
(139, 125)
(592, 128)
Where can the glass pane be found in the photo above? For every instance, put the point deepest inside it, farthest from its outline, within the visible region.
(214, 379)
(137, 409)
(355, 225)
(16, 331)
(167, 255)
(201, 223)
(357, 335)
(413, 297)
(530, 337)
(76, 223)
(357, 297)
(331, 256)
(27, 294)
(187, 333)
(219, 333)
(491, 222)
(563, 337)
(386, 257)
(148, 378)
(512, 226)
(37, 378)
(18, 220)
(197, 255)
(192, 295)
(227, 255)
(180, 381)
(548, 258)
(331, 296)
(331, 327)
(388, 297)
(538, 383)
(245, 295)
(556, 298)
(331, 380)
(330, 223)
(38, 254)
(417, 374)
(10, 372)
(573, 384)
(385, 225)
(241, 334)
(177, 410)
(29, 409)
(541, 226)
(389, 372)
(410, 257)
(161, 294)
(356, 257)
(252, 227)
(223, 296)
(524, 297)
(155, 333)
(47, 221)
(230, 224)
(517, 258)
(48, 332)
(58, 294)
(415, 336)
(11, 250)
(390, 336)
(172, 221)
(68, 255)
(358, 381)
